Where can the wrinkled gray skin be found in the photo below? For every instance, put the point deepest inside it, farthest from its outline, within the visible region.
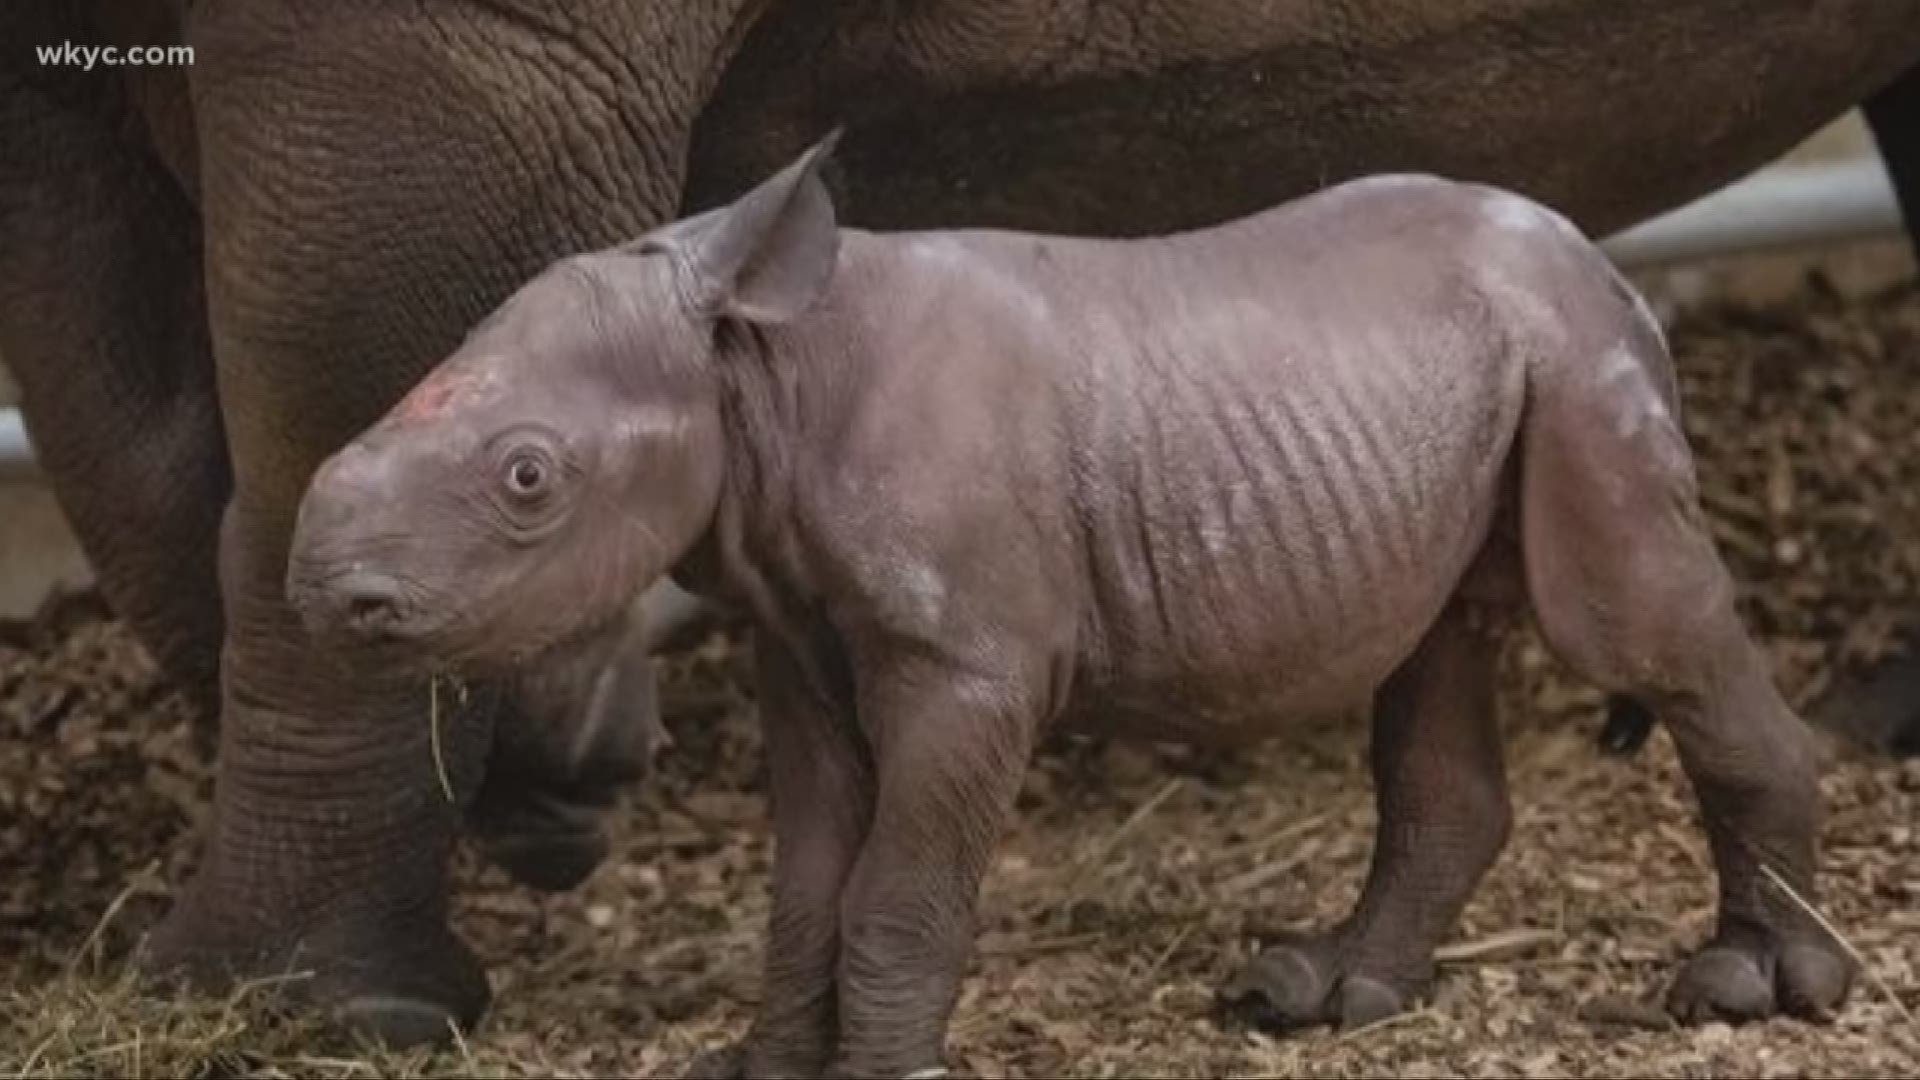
(211, 278)
(974, 485)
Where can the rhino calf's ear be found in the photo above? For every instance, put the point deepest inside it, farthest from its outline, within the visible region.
(767, 257)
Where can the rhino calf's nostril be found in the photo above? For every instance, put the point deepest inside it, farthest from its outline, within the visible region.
(369, 602)
(370, 610)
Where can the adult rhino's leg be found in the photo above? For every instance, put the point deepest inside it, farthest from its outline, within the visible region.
(1883, 709)
(1442, 796)
(585, 725)
(103, 324)
(582, 726)
(374, 178)
(1894, 116)
(331, 832)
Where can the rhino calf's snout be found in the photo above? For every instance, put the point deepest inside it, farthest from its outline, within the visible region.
(346, 576)
(355, 603)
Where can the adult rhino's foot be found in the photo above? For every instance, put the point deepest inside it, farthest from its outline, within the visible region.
(401, 982)
(1879, 709)
(1312, 980)
(544, 839)
(580, 726)
(1739, 978)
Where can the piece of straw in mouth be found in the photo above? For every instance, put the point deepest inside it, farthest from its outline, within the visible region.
(433, 736)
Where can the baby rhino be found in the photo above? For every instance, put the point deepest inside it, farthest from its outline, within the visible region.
(975, 484)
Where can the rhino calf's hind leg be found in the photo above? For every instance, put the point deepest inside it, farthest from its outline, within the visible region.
(1443, 817)
(1630, 592)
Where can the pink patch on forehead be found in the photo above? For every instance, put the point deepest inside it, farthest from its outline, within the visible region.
(436, 394)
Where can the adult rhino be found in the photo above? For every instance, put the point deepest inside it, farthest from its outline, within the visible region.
(211, 277)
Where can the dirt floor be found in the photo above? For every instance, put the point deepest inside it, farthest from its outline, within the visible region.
(1138, 877)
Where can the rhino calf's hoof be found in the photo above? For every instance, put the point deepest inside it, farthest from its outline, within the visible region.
(1304, 983)
(1737, 983)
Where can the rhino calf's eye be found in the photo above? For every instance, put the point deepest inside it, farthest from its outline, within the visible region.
(526, 475)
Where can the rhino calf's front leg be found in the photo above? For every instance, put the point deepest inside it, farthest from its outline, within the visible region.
(950, 746)
(821, 790)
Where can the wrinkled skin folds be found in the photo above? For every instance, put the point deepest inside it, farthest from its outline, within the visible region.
(977, 484)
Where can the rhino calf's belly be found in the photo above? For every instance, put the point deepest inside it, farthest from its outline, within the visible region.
(1245, 588)
(1251, 683)
(1230, 707)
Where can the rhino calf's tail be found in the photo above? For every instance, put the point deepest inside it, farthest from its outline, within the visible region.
(1627, 726)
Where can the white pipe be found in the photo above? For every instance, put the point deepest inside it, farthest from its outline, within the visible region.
(1782, 207)
(16, 453)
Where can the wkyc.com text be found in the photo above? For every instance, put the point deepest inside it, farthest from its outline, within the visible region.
(85, 57)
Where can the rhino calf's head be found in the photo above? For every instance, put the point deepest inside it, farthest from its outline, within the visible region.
(567, 454)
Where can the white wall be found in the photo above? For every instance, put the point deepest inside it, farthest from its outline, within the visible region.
(37, 550)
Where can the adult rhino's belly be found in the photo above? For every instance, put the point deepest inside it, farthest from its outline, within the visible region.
(1180, 115)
